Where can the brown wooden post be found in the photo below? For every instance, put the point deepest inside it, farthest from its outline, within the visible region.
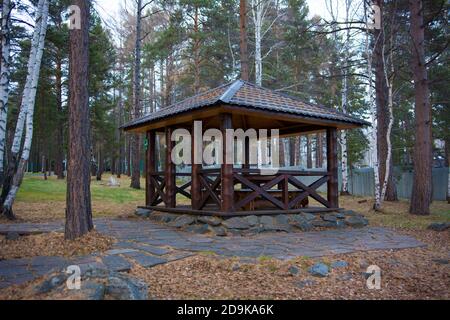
(196, 194)
(150, 167)
(227, 191)
(170, 172)
(332, 160)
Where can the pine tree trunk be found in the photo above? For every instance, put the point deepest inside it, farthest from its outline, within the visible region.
(319, 151)
(79, 208)
(292, 150)
(309, 163)
(59, 157)
(135, 139)
(4, 81)
(100, 165)
(196, 52)
(245, 74)
(18, 165)
(297, 151)
(422, 182)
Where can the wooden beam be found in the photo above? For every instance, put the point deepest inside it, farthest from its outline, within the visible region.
(227, 190)
(190, 211)
(196, 191)
(332, 160)
(150, 168)
(170, 172)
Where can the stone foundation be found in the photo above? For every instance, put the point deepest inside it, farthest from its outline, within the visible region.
(251, 225)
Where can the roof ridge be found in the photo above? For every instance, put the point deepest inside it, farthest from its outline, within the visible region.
(231, 92)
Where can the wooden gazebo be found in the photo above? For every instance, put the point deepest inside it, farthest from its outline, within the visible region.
(231, 190)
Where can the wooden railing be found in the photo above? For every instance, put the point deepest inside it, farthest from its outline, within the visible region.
(289, 194)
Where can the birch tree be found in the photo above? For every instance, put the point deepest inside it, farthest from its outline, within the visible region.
(373, 111)
(389, 78)
(17, 166)
(260, 10)
(343, 135)
(4, 79)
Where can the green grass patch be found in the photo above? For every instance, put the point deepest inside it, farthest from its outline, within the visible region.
(36, 189)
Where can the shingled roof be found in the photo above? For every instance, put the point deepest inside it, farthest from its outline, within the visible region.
(245, 94)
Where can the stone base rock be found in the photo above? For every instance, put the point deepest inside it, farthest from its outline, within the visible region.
(96, 284)
(251, 225)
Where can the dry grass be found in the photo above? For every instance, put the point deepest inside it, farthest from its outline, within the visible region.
(396, 214)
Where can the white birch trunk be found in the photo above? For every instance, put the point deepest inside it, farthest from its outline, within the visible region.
(390, 85)
(4, 79)
(257, 10)
(343, 137)
(374, 133)
(29, 106)
(15, 149)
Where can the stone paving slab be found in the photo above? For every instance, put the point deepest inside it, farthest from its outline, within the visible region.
(116, 263)
(145, 260)
(150, 244)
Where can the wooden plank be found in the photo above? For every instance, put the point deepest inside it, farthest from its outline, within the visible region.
(196, 192)
(218, 213)
(332, 159)
(150, 191)
(210, 191)
(227, 190)
(170, 171)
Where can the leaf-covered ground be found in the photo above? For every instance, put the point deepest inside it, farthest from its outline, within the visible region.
(406, 274)
(53, 244)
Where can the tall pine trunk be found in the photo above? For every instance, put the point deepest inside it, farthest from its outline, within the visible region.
(79, 208)
(4, 80)
(59, 152)
(135, 139)
(309, 162)
(245, 74)
(319, 151)
(422, 182)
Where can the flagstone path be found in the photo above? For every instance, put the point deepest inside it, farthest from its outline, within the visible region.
(149, 244)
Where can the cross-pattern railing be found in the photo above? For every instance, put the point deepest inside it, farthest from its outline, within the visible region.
(210, 180)
(159, 182)
(289, 194)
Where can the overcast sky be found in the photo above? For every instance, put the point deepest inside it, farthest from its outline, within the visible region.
(110, 8)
